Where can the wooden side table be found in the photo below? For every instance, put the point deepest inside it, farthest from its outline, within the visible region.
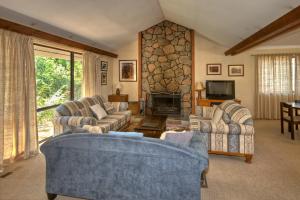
(118, 98)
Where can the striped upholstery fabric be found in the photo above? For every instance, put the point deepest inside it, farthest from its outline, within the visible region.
(75, 120)
(233, 133)
(69, 108)
(78, 114)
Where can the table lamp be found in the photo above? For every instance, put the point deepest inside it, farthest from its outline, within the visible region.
(118, 88)
(199, 88)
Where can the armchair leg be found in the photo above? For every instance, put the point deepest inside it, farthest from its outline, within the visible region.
(248, 158)
(282, 126)
(203, 179)
(51, 196)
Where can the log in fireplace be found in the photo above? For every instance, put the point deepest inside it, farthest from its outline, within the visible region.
(166, 103)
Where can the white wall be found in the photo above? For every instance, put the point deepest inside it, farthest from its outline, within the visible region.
(128, 52)
(108, 89)
(209, 52)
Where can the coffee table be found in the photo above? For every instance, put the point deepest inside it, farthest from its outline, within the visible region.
(152, 126)
(177, 124)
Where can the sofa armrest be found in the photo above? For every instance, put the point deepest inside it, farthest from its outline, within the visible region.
(75, 121)
(199, 142)
(247, 129)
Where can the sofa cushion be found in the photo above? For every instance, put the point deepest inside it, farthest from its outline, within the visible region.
(92, 129)
(100, 99)
(109, 124)
(121, 119)
(98, 111)
(82, 112)
(69, 108)
(109, 108)
(126, 113)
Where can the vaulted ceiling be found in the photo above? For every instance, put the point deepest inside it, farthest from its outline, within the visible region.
(109, 24)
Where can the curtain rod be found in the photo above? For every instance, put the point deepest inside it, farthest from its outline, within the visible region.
(42, 45)
(68, 55)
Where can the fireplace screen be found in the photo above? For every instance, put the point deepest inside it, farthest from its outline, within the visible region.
(166, 104)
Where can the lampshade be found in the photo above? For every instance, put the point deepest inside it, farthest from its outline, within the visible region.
(118, 86)
(199, 86)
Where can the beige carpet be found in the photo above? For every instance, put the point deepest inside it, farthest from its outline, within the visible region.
(274, 173)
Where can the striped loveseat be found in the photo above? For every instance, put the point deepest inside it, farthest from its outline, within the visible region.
(229, 127)
(75, 114)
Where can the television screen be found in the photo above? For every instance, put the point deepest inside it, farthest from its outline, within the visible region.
(220, 90)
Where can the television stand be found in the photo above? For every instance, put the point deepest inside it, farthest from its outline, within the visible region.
(211, 102)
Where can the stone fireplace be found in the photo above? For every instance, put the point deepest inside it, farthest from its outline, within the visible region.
(166, 104)
(167, 63)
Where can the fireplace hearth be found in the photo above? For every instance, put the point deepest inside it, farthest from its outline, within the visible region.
(166, 103)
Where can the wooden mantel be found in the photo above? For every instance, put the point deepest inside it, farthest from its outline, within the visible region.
(284, 24)
(12, 26)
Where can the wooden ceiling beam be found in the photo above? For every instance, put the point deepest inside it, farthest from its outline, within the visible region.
(5, 24)
(284, 24)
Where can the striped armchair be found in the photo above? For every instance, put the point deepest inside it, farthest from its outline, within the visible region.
(229, 127)
(77, 114)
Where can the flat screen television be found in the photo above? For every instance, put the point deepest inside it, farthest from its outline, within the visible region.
(220, 89)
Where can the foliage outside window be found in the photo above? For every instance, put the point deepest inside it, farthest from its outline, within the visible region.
(53, 84)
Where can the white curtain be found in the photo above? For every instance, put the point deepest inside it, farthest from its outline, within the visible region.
(18, 128)
(276, 81)
(91, 74)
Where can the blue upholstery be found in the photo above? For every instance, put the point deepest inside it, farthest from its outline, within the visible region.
(128, 134)
(109, 167)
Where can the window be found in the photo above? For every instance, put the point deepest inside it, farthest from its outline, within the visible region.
(58, 79)
(276, 74)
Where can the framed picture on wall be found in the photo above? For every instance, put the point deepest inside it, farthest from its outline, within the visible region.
(103, 78)
(214, 69)
(104, 65)
(127, 71)
(235, 70)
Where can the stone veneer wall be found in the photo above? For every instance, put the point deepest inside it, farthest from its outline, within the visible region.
(167, 62)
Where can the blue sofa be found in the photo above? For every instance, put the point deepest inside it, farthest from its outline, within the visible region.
(110, 167)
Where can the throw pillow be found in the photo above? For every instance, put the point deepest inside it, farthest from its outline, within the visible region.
(128, 134)
(109, 108)
(217, 115)
(182, 138)
(98, 111)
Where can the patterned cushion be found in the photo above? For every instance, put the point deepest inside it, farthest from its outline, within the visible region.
(109, 124)
(121, 119)
(109, 108)
(127, 114)
(87, 102)
(99, 99)
(92, 129)
(82, 112)
(69, 108)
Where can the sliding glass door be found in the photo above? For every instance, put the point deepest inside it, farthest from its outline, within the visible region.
(58, 79)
